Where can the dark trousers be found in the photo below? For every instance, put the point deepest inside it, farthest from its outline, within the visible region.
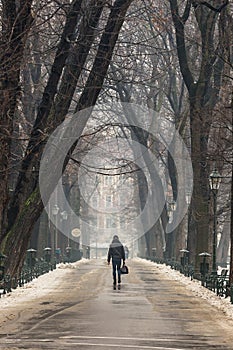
(116, 265)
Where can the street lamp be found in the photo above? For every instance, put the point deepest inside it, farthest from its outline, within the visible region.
(47, 254)
(64, 217)
(55, 211)
(184, 258)
(171, 207)
(188, 197)
(31, 257)
(204, 266)
(214, 180)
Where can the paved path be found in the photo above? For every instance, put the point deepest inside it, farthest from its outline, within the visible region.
(149, 312)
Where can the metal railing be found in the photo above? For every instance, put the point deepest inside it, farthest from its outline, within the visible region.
(32, 269)
(7, 283)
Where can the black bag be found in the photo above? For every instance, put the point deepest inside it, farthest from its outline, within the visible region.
(124, 270)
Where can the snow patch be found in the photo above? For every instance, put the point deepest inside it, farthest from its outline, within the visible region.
(39, 286)
(194, 286)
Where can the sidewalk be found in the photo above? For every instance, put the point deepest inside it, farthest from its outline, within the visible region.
(152, 310)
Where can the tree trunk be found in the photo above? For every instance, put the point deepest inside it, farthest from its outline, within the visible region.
(16, 242)
(203, 94)
(200, 200)
(28, 174)
(15, 29)
(28, 205)
(231, 224)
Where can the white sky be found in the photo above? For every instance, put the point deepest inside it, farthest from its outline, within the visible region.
(41, 286)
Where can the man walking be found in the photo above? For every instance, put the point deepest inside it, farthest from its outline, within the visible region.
(116, 252)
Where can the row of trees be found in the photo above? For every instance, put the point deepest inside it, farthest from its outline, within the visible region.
(60, 57)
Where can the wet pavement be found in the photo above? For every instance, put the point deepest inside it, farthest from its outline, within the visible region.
(150, 311)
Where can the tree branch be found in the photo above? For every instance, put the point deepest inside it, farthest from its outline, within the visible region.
(215, 9)
(180, 41)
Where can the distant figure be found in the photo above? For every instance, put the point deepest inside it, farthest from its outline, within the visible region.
(116, 252)
(126, 252)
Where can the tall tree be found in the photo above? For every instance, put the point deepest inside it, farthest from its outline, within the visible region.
(26, 205)
(203, 88)
(16, 23)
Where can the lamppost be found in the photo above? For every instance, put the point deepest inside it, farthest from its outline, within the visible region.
(214, 180)
(31, 257)
(55, 211)
(171, 207)
(188, 197)
(64, 217)
(184, 258)
(204, 266)
(47, 254)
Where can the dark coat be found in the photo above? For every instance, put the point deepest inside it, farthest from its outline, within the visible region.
(116, 250)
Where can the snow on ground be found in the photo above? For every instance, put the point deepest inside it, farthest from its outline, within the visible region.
(39, 286)
(194, 286)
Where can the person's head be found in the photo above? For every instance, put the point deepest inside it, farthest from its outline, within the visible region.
(115, 238)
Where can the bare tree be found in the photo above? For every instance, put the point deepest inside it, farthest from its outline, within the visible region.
(203, 88)
(25, 205)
